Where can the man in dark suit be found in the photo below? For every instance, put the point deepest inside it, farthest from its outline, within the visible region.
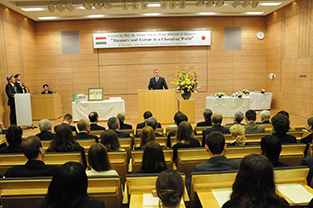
(121, 118)
(21, 88)
(146, 115)
(45, 127)
(33, 150)
(10, 90)
(238, 117)
(113, 123)
(271, 148)
(46, 89)
(157, 82)
(178, 118)
(251, 127)
(217, 119)
(93, 118)
(265, 117)
(153, 123)
(215, 146)
(67, 119)
(84, 129)
(207, 113)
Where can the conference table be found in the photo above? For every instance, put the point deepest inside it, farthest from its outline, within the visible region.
(228, 106)
(104, 108)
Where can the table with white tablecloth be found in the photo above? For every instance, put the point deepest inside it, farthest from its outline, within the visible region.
(228, 106)
(105, 109)
(260, 101)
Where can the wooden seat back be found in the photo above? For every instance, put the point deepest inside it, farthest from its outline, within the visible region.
(169, 129)
(160, 140)
(199, 129)
(157, 130)
(96, 133)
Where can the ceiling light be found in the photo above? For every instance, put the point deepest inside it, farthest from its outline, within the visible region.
(50, 7)
(163, 4)
(35, 9)
(144, 4)
(235, 3)
(97, 5)
(254, 13)
(69, 6)
(151, 14)
(154, 5)
(199, 3)
(134, 4)
(60, 7)
(87, 5)
(245, 3)
(207, 13)
(182, 4)
(107, 5)
(209, 3)
(219, 3)
(270, 4)
(124, 5)
(47, 18)
(96, 16)
(172, 4)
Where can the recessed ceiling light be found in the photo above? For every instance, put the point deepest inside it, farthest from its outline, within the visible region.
(256, 13)
(33, 9)
(47, 18)
(154, 5)
(270, 4)
(96, 16)
(207, 13)
(152, 14)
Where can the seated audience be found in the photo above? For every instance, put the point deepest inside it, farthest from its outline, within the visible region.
(121, 117)
(254, 185)
(93, 118)
(175, 123)
(251, 127)
(271, 148)
(146, 136)
(45, 127)
(146, 115)
(84, 129)
(265, 117)
(13, 140)
(281, 127)
(68, 188)
(179, 117)
(33, 150)
(215, 146)
(46, 89)
(67, 119)
(110, 140)
(152, 159)
(64, 142)
(309, 127)
(238, 117)
(237, 132)
(207, 113)
(185, 138)
(114, 124)
(217, 119)
(285, 113)
(170, 188)
(98, 160)
(153, 123)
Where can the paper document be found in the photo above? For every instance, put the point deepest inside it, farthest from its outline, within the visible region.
(149, 199)
(295, 192)
(222, 195)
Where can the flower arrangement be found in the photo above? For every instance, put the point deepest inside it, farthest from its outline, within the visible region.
(245, 91)
(186, 82)
(219, 94)
(263, 91)
(237, 94)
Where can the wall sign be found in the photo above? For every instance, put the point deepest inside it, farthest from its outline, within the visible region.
(151, 39)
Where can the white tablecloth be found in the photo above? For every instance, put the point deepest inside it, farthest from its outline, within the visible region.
(105, 109)
(259, 101)
(228, 106)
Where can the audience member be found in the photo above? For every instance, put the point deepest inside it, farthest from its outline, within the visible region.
(185, 138)
(147, 135)
(121, 117)
(46, 89)
(45, 127)
(152, 122)
(217, 119)
(13, 140)
(265, 117)
(84, 129)
(67, 119)
(251, 127)
(170, 188)
(215, 146)
(93, 118)
(238, 133)
(238, 117)
(309, 127)
(114, 124)
(207, 113)
(281, 127)
(64, 142)
(254, 185)
(33, 150)
(68, 188)
(285, 113)
(152, 159)
(146, 115)
(271, 148)
(98, 160)
(179, 117)
(175, 118)
(110, 140)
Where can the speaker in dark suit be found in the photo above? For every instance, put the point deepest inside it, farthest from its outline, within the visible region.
(46, 89)
(157, 82)
(10, 90)
(21, 88)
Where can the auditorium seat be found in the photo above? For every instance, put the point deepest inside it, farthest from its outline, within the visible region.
(169, 129)
(130, 131)
(157, 130)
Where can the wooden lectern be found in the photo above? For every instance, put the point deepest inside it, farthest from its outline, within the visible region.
(162, 104)
(46, 106)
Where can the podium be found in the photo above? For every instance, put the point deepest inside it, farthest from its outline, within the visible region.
(162, 104)
(46, 106)
(23, 109)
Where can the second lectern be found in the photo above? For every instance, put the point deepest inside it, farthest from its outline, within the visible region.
(162, 104)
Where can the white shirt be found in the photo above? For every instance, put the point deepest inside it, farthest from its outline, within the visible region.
(93, 172)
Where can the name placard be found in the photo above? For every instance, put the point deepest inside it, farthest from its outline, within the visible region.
(152, 39)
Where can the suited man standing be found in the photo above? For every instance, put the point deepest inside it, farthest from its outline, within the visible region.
(157, 82)
(10, 90)
(21, 88)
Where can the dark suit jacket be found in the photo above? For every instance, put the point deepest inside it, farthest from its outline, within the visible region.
(72, 127)
(10, 91)
(19, 89)
(96, 127)
(45, 135)
(253, 128)
(85, 135)
(32, 168)
(143, 124)
(121, 134)
(264, 122)
(87, 204)
(49, 92)
(286, 138)
(153, 85)
(307, 139)
(125, 126)
(193, 143)
(10, 149)
(217, 127)
(231, 124)
(219, 163)
(204, 123)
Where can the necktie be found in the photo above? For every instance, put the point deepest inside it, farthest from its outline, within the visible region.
(157, 79)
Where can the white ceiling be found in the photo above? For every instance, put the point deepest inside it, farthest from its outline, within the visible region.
(117, 12)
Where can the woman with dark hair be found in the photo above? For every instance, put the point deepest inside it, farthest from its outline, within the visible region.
(13, 140)
(281, 126)
(68, 188)
(170, 188)
(185, 138)
(98, 159)
(285, 113)
(64, 142)
(110, 140)
(254, 185)
(147, 135)
(271, 148)
(152, 159)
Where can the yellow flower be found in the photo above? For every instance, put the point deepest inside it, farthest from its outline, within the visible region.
(182, 92)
